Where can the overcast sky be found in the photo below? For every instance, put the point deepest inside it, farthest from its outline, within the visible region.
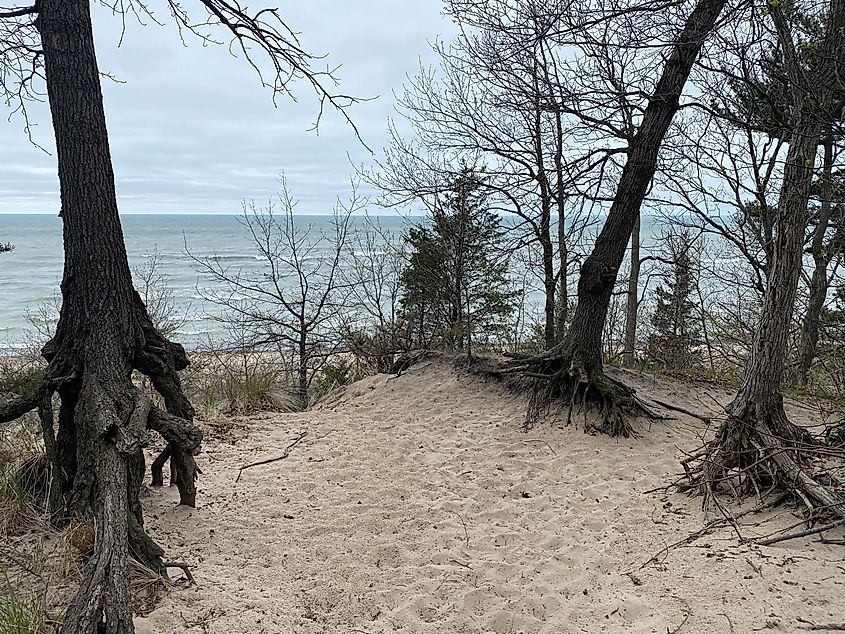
(192, 130)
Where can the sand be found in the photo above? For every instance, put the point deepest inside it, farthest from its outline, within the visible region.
(418, 504)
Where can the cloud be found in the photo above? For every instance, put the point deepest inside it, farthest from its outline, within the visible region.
(193, 131)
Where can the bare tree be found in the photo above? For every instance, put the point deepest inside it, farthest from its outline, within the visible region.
(573, 369)
(154, 288)
(505, 102)
(293, 300)
(376, 259)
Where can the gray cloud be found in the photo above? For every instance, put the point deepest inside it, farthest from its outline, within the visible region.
(193, 131)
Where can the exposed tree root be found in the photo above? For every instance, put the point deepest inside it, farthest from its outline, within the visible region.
(563, 379)
(16, 405)
(95, 461)
(758, 450)
(161, 360)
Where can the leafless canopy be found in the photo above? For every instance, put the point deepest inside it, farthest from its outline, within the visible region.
(262, 37)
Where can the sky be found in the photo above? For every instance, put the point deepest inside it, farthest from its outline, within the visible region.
(193, 131)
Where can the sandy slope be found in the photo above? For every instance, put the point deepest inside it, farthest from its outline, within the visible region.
(417, 504)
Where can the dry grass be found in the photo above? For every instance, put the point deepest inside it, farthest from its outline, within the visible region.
(223, 384)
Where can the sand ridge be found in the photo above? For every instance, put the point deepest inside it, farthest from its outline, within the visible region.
(418, 504)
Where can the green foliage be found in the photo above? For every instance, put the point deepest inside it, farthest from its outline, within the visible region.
(676, 334)
(23, 587)
(20, 614)
(20, 381)
(455, 288)
(332, 375)
(374, 351)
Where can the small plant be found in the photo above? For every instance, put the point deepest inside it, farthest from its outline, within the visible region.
(220, 383)
(20, 380)
(333, 375)
(20, 614)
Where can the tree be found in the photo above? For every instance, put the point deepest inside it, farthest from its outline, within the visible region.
(573, 369)
(376, 258)
(104, 330)
(751, 125)
(455, 284)
(292, 300)
(157, 295)
(757, 439)
(826, 246)
(675, 323)
(504, 96)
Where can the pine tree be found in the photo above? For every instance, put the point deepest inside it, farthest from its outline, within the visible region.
(456, 285)
(676, 334)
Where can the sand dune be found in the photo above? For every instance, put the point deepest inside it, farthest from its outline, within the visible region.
(418, 504)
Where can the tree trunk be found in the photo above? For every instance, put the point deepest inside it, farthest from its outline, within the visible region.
(544, 236)
(574, 369)
(819, 280)
(103, 333)
(562, 248)
(757, 438)
(302, 370)
(599, 271)
(549, 284)
(630, 343)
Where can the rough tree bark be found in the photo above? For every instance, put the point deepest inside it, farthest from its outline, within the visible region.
(819, 280)
(573, 370)
(757, 438)
(103, 334)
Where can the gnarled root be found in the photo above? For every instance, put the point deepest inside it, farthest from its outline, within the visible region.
(14, 406)
(759, 451)
(161, 360)
(564, 379)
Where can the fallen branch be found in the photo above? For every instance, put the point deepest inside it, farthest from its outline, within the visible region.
(542, 441)
(813, 531)
(821, 627)
(466, 533)
(682, 410)
(284, 455)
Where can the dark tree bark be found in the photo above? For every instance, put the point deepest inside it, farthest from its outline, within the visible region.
(103, 334)
(573, 370)
(819, 281)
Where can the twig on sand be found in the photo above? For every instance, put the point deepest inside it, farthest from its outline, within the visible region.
(813, 531)
(687, 612)
(682, 410)
(721, 522)
(184, 568)
(284, 455)
(544, 442)
(466, 534)
(821, 627)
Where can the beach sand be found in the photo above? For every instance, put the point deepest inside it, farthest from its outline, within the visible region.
(418, 504)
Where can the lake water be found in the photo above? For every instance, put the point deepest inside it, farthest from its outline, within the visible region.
(30, 275)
